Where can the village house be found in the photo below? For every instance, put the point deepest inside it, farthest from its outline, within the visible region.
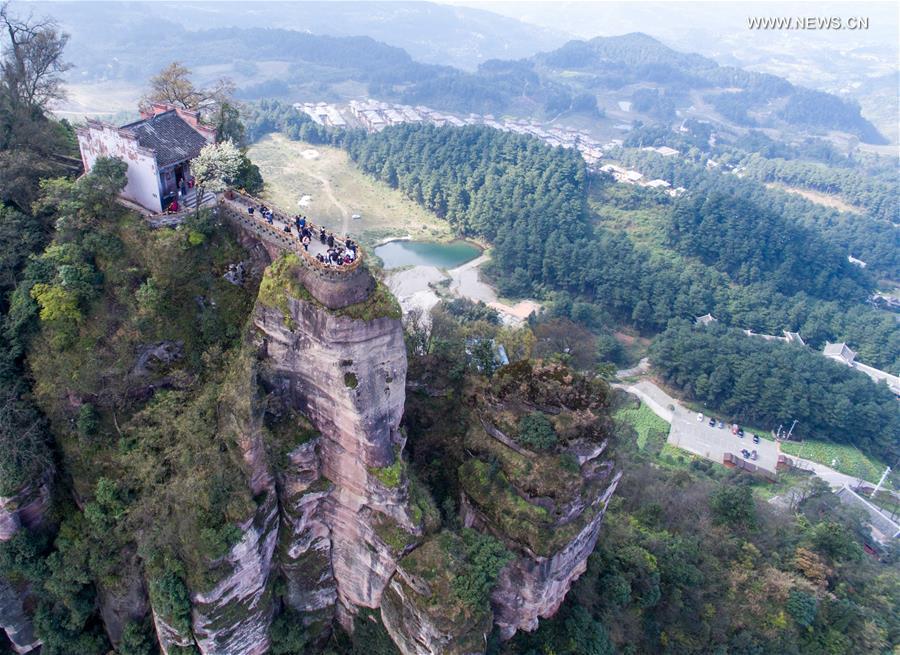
(158, 150)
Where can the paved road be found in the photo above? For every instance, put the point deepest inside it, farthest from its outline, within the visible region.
(652, 396)
(713, 442)
(689, 434)
(835, 479)
(641, 369)
(697, 437)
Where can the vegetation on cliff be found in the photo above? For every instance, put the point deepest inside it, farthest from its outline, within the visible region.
(281, 283)
(690, 558)
(128, 333)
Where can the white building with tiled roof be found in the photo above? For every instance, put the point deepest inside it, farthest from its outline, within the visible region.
(158, 150)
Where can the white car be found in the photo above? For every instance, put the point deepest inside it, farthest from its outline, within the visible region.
(700, 416)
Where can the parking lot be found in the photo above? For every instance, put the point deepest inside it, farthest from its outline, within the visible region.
(713, 442)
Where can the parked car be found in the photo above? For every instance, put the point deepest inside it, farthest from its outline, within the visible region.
(754, 456)
(734, 428)
(755, 438)
(700, 416)
(740, 432)
(712, 422)
(721, 425)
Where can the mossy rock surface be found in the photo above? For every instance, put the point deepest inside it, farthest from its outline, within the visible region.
(281, 282)
(393, 534)
(438, 562)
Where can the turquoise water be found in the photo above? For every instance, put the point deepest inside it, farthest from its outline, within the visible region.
(426, 253)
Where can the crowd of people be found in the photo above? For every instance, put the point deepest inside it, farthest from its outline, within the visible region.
(337, 253)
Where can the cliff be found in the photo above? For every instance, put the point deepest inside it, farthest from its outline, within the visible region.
(314, 405)
(293, 504)
(344, 370)
(21, 511)
(545, 502)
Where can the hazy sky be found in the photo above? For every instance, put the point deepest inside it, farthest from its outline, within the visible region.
(686, 22)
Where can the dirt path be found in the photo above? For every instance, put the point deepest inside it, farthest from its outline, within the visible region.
(326, 185)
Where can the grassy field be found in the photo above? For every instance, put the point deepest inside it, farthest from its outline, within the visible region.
(644, 421)
(840, 457)
(337, 190)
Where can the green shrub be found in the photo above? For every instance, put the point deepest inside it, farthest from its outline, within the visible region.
(171, 600)
(350, 380)
(485, 557)
(137, 639)
(536, 431)
(734, 506)
(389, 475)
(87, 421)
(288, 635)
(569, 462)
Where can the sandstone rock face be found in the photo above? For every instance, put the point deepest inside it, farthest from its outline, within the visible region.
(170, 638)
(15, 622)
(235, 615)
(22, 511)
(125, 602)
(348, 377)
(305, 551)
(26, 509)
(534, 587)
(419, 625)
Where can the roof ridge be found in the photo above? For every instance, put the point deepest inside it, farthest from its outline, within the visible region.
(148, 119)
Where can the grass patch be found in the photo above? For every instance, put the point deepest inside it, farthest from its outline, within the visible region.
(390, 476)
(841, 457)
(338, 189)
(644, 422)
(381, 304)
(393, 534)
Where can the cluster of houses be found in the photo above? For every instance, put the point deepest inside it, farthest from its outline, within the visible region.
(627, 176)
(839, 352)
(375, 115)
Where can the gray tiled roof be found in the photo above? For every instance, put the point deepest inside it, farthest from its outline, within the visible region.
(169, 136)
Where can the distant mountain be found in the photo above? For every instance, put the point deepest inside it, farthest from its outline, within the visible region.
(659, 82)
(432, 33)
(747, 98)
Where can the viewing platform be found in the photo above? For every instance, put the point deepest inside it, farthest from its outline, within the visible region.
(282, 232)
(334, 285)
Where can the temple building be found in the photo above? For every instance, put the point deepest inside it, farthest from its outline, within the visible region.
(158, 150)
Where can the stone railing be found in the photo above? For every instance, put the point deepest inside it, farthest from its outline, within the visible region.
(241, 202)
(335, 286)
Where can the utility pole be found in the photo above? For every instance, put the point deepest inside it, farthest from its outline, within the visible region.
(880, 482)
(791, 430)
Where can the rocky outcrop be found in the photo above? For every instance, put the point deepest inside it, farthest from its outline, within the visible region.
(234, 616)
(305, 547)
(125, 601)
(25, 509)
(346, 372)
(420, 609)
(14, 621)
(21, 511)
(546, 504)
(534, 587)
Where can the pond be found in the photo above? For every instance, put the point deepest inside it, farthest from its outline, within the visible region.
(395, 254)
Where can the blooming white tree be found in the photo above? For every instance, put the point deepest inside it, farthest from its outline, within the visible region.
(216, 164)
